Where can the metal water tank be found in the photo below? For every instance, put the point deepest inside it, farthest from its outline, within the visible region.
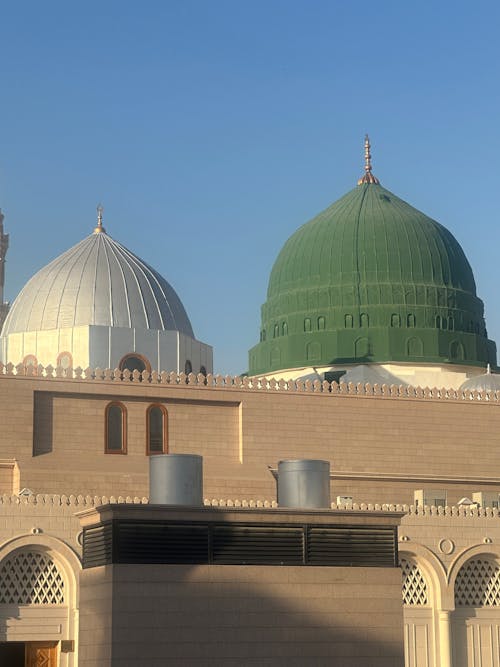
(176, 479)
(304, 483)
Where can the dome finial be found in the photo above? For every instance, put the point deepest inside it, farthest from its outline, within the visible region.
(368, 176)
(99, 229)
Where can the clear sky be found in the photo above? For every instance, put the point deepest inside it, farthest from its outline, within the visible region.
(211, 129)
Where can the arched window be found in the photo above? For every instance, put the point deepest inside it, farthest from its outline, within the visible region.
(30, 361)
(364, 321)
(313, 351)
(478, 583)
(116, 429)
(156, 430)
(438, 322)
(361, 347)
(321, 323)
(414, 584)
(134, 362)
(414, 347)
(30, 577)
(307, 324)
(276, 330)
(348, 321)
(410, 321)
(65, 360)
(188, 367)
(457, 350)
(395, 320)
(284, 329)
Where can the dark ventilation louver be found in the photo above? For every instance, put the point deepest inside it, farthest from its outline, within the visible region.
(344, 546)
(97, 545)
(156, 542)
(263, 545)
(131, 541)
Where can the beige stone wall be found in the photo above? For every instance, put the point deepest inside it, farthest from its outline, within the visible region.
(223, 616)
(383, 444)
(439, 541)
(9, 476)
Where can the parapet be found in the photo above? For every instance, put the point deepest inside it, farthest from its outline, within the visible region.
(80, 502)
(244, 383)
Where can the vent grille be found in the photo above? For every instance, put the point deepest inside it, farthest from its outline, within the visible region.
(138, 541)
(97, 545)
(349, 546)
(262, 545)
(156, 542)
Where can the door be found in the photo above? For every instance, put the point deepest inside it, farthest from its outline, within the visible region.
(41, 654)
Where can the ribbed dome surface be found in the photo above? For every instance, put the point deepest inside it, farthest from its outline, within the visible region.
(370, 236)
(97, 282)
(486, 382)
(371, 279)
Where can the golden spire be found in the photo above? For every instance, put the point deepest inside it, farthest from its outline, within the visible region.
(368, 176)
(99, 229)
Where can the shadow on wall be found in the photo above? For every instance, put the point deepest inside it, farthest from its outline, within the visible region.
(222, 616)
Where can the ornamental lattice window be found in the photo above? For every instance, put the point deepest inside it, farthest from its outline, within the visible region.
(414, 584)
(30, 577)
(478, 584)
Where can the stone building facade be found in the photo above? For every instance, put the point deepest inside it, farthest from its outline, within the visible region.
(56, 466)
(371, 356)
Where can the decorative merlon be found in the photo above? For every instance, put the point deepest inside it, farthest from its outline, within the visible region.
(260, 384)
(81, 502)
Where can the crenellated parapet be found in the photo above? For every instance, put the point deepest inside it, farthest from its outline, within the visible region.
(253, 384)
(81, 502)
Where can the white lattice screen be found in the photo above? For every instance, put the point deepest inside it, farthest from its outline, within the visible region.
(30, 577)
(414, 584)
(478, 584)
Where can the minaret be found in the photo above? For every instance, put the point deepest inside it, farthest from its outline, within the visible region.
(4, 244)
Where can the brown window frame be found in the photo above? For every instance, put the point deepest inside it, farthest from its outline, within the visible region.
(123, 449)
(164, 412)
(134, 355)
(32, 366)
(64, 354)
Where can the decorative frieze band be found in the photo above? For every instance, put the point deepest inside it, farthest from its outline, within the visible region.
(81, 502)
(250, 384)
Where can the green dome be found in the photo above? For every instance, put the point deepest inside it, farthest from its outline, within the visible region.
(371, 279)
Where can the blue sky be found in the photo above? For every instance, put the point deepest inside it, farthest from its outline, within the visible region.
(211, 130)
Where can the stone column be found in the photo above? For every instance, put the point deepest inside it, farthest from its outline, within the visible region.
(445, 639)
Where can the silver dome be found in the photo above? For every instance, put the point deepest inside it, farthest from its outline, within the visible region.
(486, 382)
(97, 282)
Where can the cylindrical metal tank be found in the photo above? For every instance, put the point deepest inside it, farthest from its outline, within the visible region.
(304, 483)
(176, 479)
